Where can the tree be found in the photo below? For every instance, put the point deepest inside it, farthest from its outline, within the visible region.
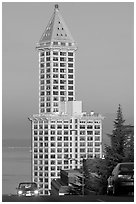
(95, 172)
(115, 152)
(129, 143)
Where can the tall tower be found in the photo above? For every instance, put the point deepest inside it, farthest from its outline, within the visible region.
(56, 65)
(61, 130)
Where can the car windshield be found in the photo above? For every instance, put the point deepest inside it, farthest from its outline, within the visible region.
(27, 185)
(126, 167)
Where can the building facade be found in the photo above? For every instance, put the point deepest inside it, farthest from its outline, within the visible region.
(61, 130)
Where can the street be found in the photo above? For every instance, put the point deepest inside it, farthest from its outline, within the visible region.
(73, 198)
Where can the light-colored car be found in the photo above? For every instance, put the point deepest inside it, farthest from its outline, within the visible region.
(27, 189)
(122, 179)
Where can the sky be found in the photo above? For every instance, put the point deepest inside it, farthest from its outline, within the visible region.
(104, 33)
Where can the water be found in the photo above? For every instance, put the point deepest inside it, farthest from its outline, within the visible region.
(16, 167)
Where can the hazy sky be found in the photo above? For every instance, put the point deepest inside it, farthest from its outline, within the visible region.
(104, 33)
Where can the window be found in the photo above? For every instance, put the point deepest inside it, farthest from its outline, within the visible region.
(82, 138)
(47, 53)
(90, 138)
(65, 138)
(97, 126)
(55, 64)
(53, 156)
(59, 126)
(55, 81)
(97, 149)
(62, 64)
(59, 132)
(89, 132)
(70, 98)
(90, 144)
(63, 43)
(42, 54)
(70, 76)
(62, 59)
(62, 70)
(82, 132)
(63, 53)
(59, 156)
(97, 138)
(90, 150)
(42, 76)
(82, 144)
(48, 76)
(55, 69)
(70, 82)
(62, 92)
(70, 53)
(65, 144)
(47, 58)
(97, 144)
(82, 126)
(35, 133)
(55, 98)
(42, 65)
(82, 150)
(55, 53)
(55, 58)
(42, 59)
(55, 43)
(59, 138)
(59, 150)
(52, 132)
(97, 132)
(70, 59)
(48, 64)
(70, 87)
(55, 92)
(62, 81)
(62, 87)
(48, 81)
(62, 75)
(55, 75)
(70, 65)
(89, 127)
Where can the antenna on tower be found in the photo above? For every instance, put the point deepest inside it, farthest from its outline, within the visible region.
(56, 6)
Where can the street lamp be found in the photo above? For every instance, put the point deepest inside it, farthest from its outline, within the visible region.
(83, 182)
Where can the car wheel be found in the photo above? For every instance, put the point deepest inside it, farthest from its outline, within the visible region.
(114, 190)
(109, 192)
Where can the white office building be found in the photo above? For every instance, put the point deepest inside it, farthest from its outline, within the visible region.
(61, 130)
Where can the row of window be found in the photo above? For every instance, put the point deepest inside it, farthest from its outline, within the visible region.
(48, 64)
(62, 59)
(56, 81)
(67, 121)
(70, 93)
(48, 53)
(59, 132)
(57, 87)
(42, 71)
(54, 144)
(53, 126)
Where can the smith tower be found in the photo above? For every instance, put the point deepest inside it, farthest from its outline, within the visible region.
(61, 130)
(56, 65)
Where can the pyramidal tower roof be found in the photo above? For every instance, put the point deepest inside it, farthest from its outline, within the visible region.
(56, 31)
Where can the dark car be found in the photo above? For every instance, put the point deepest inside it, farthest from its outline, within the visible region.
(27, 189)
(122, 179)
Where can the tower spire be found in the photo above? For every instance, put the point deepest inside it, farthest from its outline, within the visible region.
(56, 7)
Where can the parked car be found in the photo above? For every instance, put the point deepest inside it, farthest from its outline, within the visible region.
(27, 189)
(122, 179)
